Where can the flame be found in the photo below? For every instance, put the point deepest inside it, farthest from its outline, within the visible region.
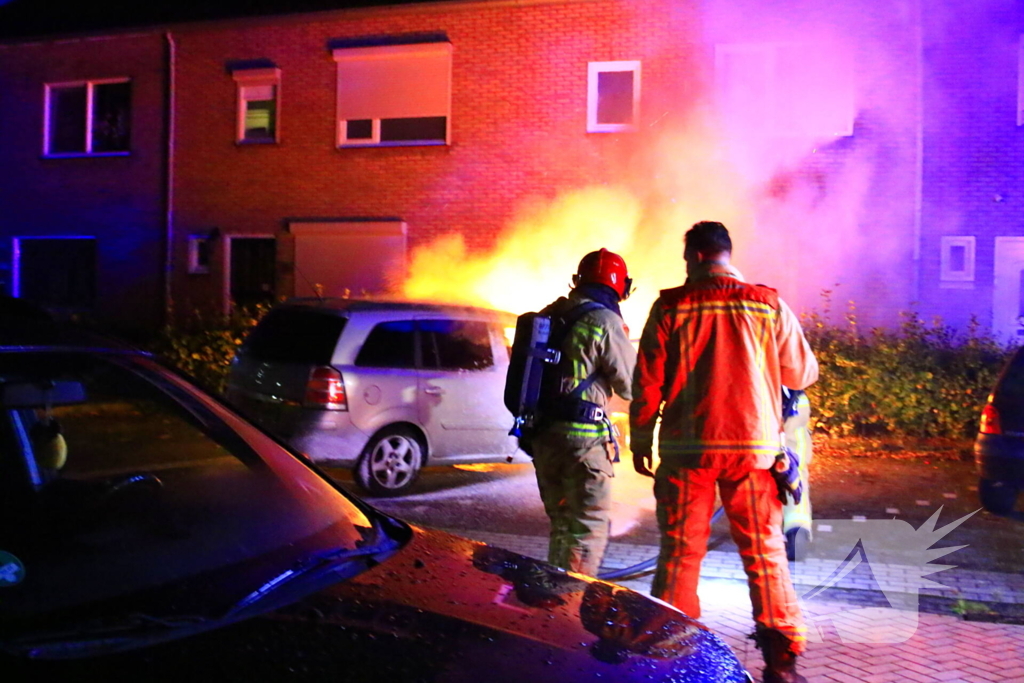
(534, 258)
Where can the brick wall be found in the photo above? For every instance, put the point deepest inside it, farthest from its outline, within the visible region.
(518, 120)
(118, 200)
(974, 150)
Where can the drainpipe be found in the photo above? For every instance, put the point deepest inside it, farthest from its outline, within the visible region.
(919, 157)
(169, 190)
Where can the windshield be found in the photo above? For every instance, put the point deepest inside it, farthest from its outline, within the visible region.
(123, 490)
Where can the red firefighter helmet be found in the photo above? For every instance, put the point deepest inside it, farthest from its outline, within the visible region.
(606, 268)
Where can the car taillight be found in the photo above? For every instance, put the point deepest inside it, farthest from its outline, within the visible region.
(326, 389)
(990, 420)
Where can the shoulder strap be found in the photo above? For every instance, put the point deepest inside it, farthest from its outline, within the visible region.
(570, 319)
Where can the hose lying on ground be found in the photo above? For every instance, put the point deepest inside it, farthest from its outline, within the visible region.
(647, 566)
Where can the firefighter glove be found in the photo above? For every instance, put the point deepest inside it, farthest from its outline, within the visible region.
(786, 471)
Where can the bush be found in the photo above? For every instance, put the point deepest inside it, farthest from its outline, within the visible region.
(203, 346)
(918, 380)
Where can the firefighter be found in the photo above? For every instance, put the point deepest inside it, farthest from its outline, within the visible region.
(797, 517)
(713, 358)
(574, 446)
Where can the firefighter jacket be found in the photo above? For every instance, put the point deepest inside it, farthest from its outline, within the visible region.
(714, 355)
(597, 343)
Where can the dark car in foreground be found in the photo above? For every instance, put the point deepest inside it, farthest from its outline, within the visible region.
(148, 532)
(999, 447)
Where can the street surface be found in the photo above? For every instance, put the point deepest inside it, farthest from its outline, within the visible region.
(858, 632)
(481, 499)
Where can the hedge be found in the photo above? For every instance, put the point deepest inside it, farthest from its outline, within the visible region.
(918, 380)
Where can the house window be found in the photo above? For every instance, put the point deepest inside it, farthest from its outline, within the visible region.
(394, 94)
(613, 96)
(786, 89)
(258, 104)
(57, 272)
(91, 117)
(956, 261)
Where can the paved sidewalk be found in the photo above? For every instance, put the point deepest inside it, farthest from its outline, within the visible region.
(855, 634)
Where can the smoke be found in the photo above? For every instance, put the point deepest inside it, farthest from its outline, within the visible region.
(806, 143)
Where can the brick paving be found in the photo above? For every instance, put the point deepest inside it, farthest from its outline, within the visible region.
(854, 634)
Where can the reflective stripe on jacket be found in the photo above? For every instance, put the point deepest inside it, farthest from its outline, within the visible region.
(599, 343)
(714, 355)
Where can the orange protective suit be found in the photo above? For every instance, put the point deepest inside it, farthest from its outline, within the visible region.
(713, 358)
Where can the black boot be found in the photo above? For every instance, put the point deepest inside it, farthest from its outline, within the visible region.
(779, 658)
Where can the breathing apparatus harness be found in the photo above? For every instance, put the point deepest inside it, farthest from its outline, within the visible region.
(533, 386)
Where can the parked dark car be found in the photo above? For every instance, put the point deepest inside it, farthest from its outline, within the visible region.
(381, 387)
(148, 532)
(999, 447)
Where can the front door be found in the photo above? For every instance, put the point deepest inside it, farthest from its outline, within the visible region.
(1007, 301)
(253, 264)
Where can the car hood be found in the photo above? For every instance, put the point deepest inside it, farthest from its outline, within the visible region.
(446, 609)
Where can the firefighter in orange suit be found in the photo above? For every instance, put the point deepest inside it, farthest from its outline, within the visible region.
(574, 448)
(714, 356)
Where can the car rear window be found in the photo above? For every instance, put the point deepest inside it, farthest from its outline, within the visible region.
(289, 335)
(1011, 384)
(389, 345)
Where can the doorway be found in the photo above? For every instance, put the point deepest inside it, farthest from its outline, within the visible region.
(1008, 285)
(252, 267)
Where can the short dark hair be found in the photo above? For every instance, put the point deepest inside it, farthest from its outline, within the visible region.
(708, 237)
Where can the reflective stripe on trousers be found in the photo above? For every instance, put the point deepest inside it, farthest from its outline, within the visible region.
(686, 500)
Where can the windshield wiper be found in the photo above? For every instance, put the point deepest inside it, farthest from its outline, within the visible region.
(104, 636)
(339, 563)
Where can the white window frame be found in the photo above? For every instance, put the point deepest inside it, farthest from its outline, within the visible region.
(345, 54)
(594, 69)
(953, 278)
(90, 86)
(251, 78)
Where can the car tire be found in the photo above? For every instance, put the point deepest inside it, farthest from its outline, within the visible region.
(998, 497)
(391, 462)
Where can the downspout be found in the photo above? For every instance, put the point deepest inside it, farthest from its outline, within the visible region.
(169, 190)
(919, 159)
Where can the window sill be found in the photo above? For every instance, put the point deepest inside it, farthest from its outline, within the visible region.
(402, 143)
(956, 284)
(247, 143)
(86, 155)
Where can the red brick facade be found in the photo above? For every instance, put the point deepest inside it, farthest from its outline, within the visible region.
(518, 120)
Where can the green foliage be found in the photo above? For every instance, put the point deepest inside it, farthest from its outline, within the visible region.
(202, 346)
(918, 380)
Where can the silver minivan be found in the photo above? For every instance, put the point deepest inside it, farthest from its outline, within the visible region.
(382, 387)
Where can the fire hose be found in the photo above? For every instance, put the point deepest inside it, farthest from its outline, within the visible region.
(647, 566)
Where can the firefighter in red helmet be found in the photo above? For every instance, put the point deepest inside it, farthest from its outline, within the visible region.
(574, 447)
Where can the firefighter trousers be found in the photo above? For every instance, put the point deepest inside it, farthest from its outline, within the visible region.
(575, 487)
(686, 501)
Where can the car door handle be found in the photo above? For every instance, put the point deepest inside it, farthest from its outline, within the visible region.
(433, 391)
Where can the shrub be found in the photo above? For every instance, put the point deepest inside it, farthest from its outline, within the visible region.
(917, 380)
(202, 347)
